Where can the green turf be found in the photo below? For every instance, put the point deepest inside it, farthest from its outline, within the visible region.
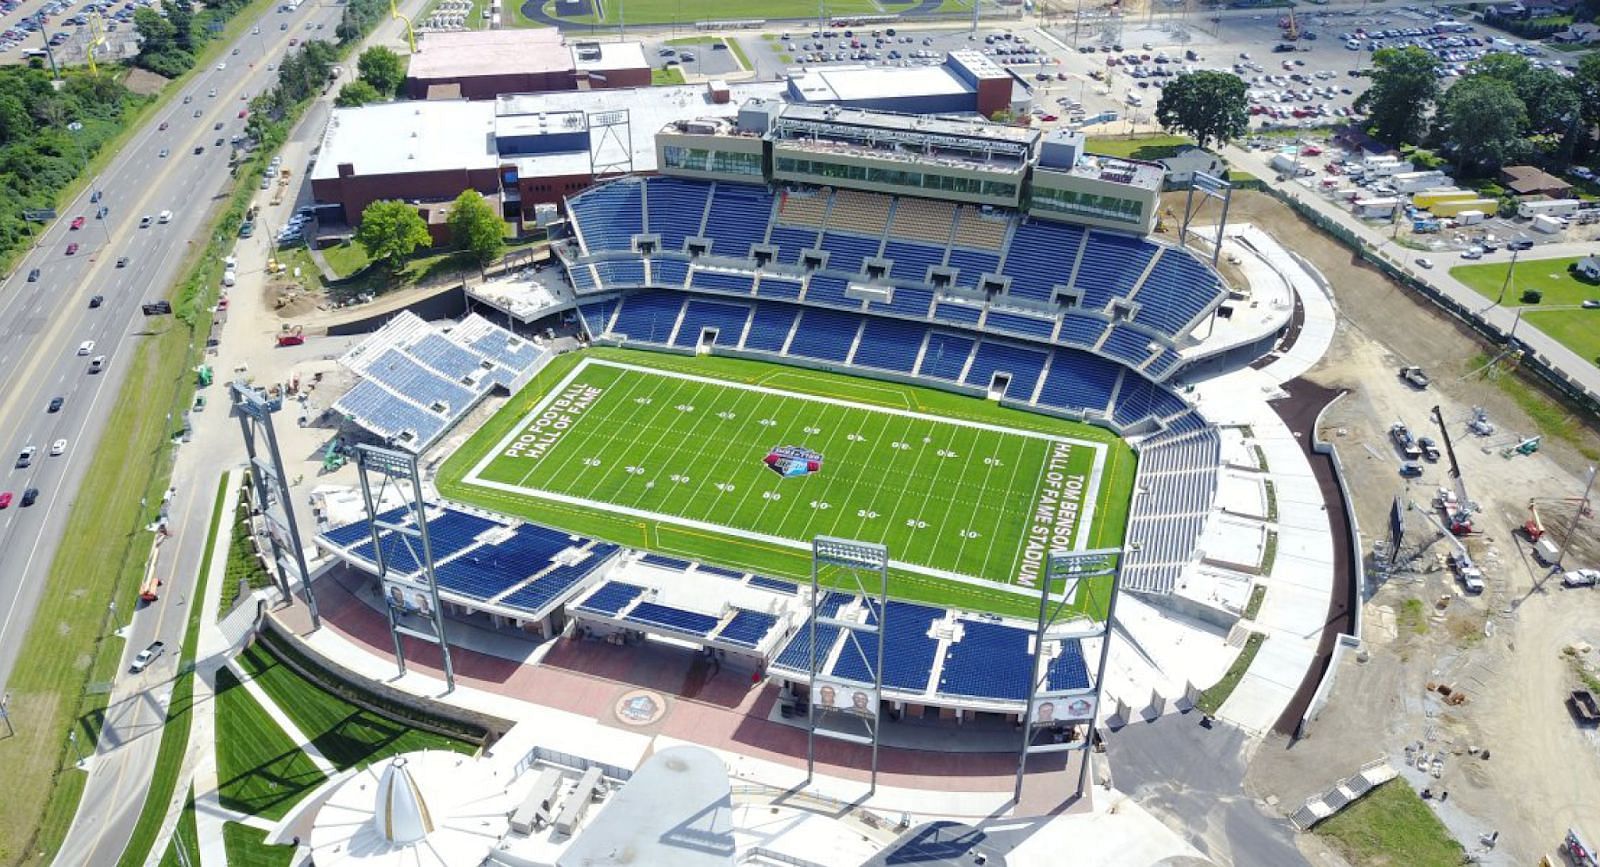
(1549, 276)
(1141, 147)
(939, 494)
(187, 836)
(259, 770)
(1214, 698)
(247, 847)
(1577, 330)
(346, 734)
(1391, 825)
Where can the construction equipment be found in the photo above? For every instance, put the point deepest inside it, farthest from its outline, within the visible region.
(291, 335)
(1479, 423)
(1291, 26)
(203, 375)
(1525, 447)
(1459, 510)
(1534, 526)
(1469, 573)
(333, 456)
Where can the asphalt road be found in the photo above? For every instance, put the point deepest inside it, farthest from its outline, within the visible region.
(43, 323)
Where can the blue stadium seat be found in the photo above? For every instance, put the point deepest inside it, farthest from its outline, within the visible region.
(728, 319)
(738, 218)
(1111, 266)
(1080, 330)
(381, 410)
(1024, 365)
(1127, 344)
(1078, 380)
(905, 300)
(971, 264)
(668, 273)
(959, 314)
(791, 242)
(912, 260)
(675, 208)
(609, 215)
(1017, 323)
(446, 357)
(1041, 256)
(889, 344)
(1179, 288)
(721, 281)
(829, 290)
(676, 619)
(908, 652)
(990, 661)
(597, 316)
(824, 334)
(665, 562)
(343, 536)
(765, 583)
(845, 252)
(648, 316)
(777, 287)
(612, 597)
(946, 355)
(1068, 670)
(1135, 400)
(720, 572)
(582, 278)
(403, 375)
(747, 628)
(555, 584)
(796, 655)
(769, 327)
(620, 273)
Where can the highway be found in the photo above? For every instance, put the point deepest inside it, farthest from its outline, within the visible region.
(43, 323)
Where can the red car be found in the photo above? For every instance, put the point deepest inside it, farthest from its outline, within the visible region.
(5, 499)
(243, 112)
(72, 248)
(1049, 118)
(77, 223)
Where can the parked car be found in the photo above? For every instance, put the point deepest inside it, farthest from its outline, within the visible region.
(5, 499)
(1581, 578)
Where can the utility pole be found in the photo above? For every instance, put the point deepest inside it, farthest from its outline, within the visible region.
(5, 713)
(1506, 284)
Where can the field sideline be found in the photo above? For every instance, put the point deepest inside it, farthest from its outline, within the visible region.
(666, 453)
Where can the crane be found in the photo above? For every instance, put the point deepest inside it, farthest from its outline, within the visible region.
(1459, 512)
(1534, 526)
(1291, 26)
(1460, 560)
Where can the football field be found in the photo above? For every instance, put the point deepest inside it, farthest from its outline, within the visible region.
(723, 470)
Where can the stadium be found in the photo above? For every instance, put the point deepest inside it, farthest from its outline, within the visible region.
(861, 403)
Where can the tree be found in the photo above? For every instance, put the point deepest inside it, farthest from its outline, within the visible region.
(15, 123)
(390, 231)
(1405, 85)
(1482, 119)
(1206, 105)
(357, 92)
(383, 69)
(181, 17)
(476, 228)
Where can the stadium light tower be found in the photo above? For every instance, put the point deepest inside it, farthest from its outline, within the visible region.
(838, 696)
(405, 592)
(1060, 692)
(272, 492)
(1209, 187)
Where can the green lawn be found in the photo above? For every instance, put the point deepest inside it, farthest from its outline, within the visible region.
(1217, 695)
(346, 258)
(1549, 276)
(686, 455)
(1142, 147)
(244, 567)
(175, 734)
(247, 847)
(348, 735)
(1576, 329)
(188, 836)
(1391, 825)
(666, 77)
(689, 11)
(259, 770)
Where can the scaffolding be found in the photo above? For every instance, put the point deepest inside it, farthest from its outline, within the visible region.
(409, 596)
(838, 697)
(272, 498)
(1075, 582)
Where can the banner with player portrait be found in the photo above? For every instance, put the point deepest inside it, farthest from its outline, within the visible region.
(847, 697)
(1049, 710)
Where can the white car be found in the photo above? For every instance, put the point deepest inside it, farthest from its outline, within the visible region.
(166, 217)
(1581, 578)
(147, 656)
(86, 347)
(58, 448)
(1472, 253)
(1424, 262)
(222, 66)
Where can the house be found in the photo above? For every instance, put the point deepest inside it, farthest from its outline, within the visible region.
(1577, 34)
(1587, 268)
(1531, 181)
(1187, 160)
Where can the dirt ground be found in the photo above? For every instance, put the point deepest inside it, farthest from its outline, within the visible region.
(1503, 649)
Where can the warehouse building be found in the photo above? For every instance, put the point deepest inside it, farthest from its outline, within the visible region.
(966, 83)
(483, 64)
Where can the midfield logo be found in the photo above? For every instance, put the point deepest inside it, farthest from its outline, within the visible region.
(789, 461)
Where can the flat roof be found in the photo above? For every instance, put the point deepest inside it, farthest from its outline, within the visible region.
(857, 83)
(648, 109)
(676, 810)
(404, 137)
(462, 53)
(601, 56)
(845, 118)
